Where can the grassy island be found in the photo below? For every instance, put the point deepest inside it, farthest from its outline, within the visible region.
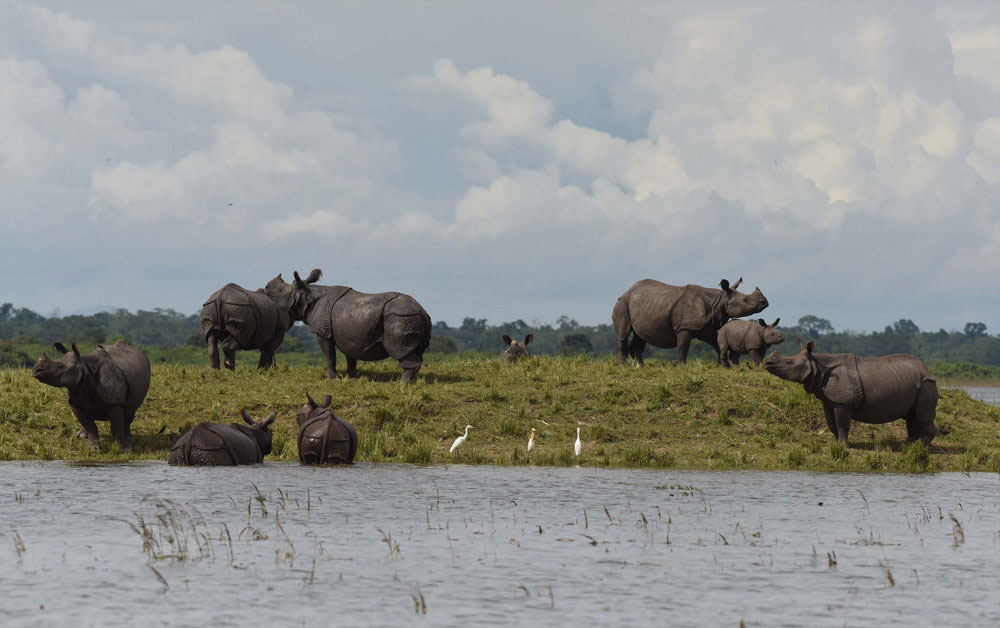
(696, 416)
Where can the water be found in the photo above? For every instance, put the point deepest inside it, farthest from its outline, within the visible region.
(983, 393)
(500, 546)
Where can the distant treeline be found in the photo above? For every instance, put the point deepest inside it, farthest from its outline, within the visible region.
(165, 328)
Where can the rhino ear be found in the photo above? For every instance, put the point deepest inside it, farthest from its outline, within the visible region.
(110, 386)
(724, 284)
(270, 419)
(776, 321)
(810, 347)
(246, 417)
(799, 340)
(58, 346)
(312, 404)
(506, 339)
(314, 275)
(762, 322)
(326, 402)
(528, 339)
(76, 351)
(738, 282)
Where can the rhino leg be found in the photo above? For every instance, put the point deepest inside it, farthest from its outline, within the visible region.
(831, 421)
(683, 345)
(330, 353)
(623, 328)
(410, 364)
(352, 368)
(734, 358)
(920, 421)
(410, 374)
(636, 349)
(88, 429)
(725, 355)
(757, 355)
(119, 429)
(229, 350)
(213, 350)
(842, 416)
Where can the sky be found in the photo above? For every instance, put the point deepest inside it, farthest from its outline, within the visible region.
(504, 160)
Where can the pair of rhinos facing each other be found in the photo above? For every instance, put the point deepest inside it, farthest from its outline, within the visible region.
(323, 438)
(366, 327)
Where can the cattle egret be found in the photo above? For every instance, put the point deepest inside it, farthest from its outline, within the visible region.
(531, 440)
(578, 446)
(458, 441)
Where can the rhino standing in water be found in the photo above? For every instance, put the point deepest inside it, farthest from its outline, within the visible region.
(668, 316)
(738, 338)
(214, 445)
(240, 319)
(324, 437)
(362, 326)
(106, 384)
(869, 390)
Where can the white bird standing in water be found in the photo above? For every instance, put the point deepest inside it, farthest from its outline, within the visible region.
(458, 441)
(531, 440)
(578, 446)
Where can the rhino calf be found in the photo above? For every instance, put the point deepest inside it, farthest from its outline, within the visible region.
(738, 338)
(515, 350)
(324, 437)
(869, 390)
(107, 384)
(211, 444)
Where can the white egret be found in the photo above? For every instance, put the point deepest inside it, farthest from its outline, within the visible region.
(531, 440)
(578, 446)
(458, 441)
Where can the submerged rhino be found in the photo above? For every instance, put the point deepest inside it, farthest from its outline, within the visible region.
(515, 350)
(869, 390)
(668, 316)
(237, 318)
(212, 444)
(362, 326)
(738, 338)
(324, 437)
(107, 384)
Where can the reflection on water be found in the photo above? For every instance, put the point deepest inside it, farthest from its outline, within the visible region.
(373, 545)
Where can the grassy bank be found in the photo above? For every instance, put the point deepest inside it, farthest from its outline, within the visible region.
(696, 416)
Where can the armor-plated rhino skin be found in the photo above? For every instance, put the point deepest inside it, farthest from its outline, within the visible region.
(237, 318)
(515, 350)
(869, 390)
(215, 445)
(751, 338)
(668, 316)
(107, 384)
(324, 437)
(362, 326)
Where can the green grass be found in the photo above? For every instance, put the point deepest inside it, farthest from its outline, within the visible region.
(694, 417)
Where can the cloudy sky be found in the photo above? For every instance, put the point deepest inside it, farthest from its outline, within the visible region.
(505, 160)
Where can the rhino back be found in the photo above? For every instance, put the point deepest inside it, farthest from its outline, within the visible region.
(356, 322)
(649, 304)
(891, 385)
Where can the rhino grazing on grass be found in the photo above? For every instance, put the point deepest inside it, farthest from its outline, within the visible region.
(668, 316)
(738, 338)
(324, 437)
(515, 350)
(237, 318)
(212, 444)
(869, 390)
(362, 326)
(107, 384)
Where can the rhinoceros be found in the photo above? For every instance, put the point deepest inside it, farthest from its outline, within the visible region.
(668, 316)
(106, 384)
(362, 326)
(240, 319)
(869, 390)
(515, 350)
(324, 437)
(738, 338)
(212, 444)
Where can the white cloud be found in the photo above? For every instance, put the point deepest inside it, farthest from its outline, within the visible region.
(977, 54)
(985, 159)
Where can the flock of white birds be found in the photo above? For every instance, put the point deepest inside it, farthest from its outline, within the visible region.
(577, 446)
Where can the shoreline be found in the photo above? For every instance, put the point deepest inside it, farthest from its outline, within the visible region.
(696, 417)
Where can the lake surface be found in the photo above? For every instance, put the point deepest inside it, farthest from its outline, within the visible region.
(983, 393)
(376, 545)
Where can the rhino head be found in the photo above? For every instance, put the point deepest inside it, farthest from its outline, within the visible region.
(516, 350)
(65, 373)
(739, 304)
(261, 432)
(794, 368)
(294, 297)
(770, 333)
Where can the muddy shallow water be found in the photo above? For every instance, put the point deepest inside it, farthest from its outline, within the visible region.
(381, 544)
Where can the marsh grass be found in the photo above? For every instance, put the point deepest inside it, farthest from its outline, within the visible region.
(696, 416)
